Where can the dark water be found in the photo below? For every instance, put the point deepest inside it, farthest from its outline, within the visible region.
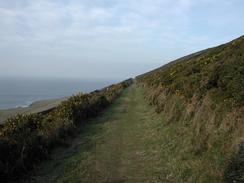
(22, 92)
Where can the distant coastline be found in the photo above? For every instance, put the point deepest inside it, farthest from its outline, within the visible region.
(34, 107)
(27, 95)
(28, 104)
(22, 92)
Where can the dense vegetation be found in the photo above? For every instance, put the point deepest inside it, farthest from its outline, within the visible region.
(202, 99)
(25, 140)
(219, 71)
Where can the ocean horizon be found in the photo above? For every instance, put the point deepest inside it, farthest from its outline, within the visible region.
(22, 92)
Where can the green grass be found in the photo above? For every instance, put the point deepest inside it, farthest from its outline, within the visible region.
(131, 143)
(120, 146)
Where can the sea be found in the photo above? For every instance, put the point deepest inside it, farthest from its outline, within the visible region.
(21, 92)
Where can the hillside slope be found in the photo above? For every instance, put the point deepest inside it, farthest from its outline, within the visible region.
(202, 98)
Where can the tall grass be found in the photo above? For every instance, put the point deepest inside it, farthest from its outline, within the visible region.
(204, 93)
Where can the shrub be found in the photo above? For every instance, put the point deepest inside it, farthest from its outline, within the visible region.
(220, 69)
(25, 140)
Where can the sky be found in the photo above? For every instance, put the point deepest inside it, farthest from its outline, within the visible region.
(109, 39)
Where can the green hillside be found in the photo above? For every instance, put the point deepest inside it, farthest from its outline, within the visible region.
(219, 71)
(202, 98)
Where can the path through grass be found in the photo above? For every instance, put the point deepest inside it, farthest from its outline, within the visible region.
(122, 145)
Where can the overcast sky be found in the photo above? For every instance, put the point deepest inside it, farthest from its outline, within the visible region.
(109, 38)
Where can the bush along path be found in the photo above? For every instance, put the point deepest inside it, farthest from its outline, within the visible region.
(27, 140)
(122, 145)
(131, 143)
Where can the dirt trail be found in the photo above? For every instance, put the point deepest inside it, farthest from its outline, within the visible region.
(120, 146)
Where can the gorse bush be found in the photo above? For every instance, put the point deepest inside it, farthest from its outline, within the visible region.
(219, 70)
(25, 140)
(203, 94)
(20, 144)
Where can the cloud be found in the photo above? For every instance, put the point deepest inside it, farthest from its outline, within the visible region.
(40, 17)
(111, 31)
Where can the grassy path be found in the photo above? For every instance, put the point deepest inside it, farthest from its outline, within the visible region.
(120, 146)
